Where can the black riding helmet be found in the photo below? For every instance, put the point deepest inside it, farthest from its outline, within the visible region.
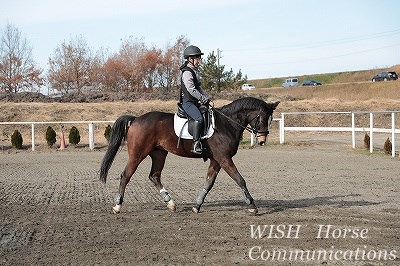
(192, 51)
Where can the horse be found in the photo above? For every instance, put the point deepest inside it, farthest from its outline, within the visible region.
(152, 134)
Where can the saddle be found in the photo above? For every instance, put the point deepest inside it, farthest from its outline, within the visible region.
(183, 124)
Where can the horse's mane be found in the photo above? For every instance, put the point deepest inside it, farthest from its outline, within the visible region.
(243, 104)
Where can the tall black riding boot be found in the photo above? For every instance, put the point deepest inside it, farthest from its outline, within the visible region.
(197, 147)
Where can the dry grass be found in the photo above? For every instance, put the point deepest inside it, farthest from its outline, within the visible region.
(382, 96)
(327, 78)
(362, 91)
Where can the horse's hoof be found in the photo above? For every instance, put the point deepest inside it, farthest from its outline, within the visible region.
(195, 210)
(116, 209)
(171, 205)
(252, 211)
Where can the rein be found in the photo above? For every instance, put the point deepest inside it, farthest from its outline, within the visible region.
(250, 129)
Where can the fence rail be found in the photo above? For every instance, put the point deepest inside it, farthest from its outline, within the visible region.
(353, 129)
(89, 123)
(282, 128)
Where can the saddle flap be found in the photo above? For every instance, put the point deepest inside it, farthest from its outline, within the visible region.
(180, 112)
(204, 110)
(181, 127)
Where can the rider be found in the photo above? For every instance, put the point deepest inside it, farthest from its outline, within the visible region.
(192, 94)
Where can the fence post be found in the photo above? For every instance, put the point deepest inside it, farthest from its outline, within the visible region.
(282, 129)
(353, 130)
(91, 136)
(371, 132)
(393, 135)
(33, 137)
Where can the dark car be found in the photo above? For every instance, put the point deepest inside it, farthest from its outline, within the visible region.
(309, 82)
(385, 76)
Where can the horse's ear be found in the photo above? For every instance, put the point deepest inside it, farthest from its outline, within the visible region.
(275, 104)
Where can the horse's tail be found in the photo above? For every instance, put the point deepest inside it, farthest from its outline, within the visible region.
(118, 134)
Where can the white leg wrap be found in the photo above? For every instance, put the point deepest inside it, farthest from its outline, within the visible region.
(116, 209)
(171, 205)
(165, 195)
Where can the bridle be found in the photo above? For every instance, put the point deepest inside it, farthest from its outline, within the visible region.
(254, 130)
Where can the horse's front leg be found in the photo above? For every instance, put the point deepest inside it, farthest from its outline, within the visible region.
(232, 171)
(212, 173)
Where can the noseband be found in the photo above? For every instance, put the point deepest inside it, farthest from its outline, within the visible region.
(254, 129)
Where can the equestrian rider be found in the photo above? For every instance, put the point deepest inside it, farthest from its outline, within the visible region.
(192, 94)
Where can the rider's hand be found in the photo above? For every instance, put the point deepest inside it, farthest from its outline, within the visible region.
(205, 101)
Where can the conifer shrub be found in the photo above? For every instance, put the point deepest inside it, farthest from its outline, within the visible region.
(366, 141)
(74, 137)
(50, 136)
(107, 133)
(16, 139)
(387, 147)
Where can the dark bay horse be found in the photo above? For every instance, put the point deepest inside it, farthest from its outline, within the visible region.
(152, 134)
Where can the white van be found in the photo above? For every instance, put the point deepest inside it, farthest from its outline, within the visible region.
(248, 87)
(290, 82)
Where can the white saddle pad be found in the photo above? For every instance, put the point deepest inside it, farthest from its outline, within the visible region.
(181, 128)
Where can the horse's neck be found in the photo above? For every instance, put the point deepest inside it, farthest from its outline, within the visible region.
(237, 118)
(240, 116)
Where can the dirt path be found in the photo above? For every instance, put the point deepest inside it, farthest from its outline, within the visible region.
(54, 211)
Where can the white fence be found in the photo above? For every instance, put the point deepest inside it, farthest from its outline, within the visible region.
(89, 123)
(282, 128)
(351, 128)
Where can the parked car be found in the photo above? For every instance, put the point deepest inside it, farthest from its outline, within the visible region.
(310, 82)
(290, 82)
(385, 76)
(247, 87)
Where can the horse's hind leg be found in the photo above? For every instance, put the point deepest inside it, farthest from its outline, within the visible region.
(126, 175)
(212, 173)
(158, 160)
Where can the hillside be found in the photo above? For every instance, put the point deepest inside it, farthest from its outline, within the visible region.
(343, 92)
(327, 78)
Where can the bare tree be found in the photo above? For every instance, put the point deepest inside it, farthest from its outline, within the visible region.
(147, 67)
(135, 67)
(130, 52)
(17, 69)
(132, 68)
(172, 59)
(71, 66)
(97, 70)
(115, 75)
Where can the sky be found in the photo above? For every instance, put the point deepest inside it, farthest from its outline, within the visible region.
(262, 38)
